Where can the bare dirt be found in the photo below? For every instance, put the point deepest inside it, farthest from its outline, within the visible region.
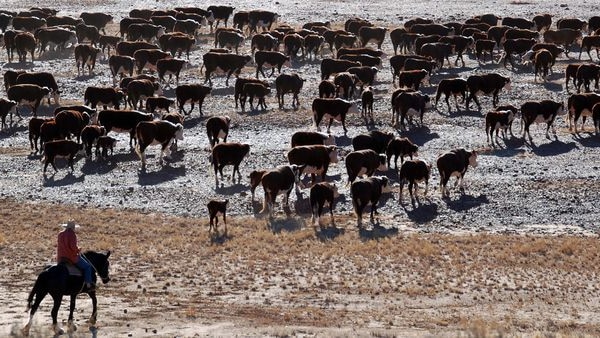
(291, 281)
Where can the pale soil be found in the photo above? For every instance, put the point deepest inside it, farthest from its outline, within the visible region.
(290, 282)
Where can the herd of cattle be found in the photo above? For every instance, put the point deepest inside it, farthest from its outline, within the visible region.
(150, 43)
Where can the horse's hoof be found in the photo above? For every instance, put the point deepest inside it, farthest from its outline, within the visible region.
(72, 327)
(58, 330)
(25, 330)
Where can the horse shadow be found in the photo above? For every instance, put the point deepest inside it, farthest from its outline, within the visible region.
(466, 202)
(68, 179)
(376, 232)
(421, 213)
(553, 148)
(167, 173)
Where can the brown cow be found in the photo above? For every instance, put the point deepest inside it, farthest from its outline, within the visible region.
(228, 154)
(60, 148)
(156, 132)
(85, 55)
(216, 209)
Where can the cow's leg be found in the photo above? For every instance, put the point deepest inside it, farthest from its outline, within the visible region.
(329, 126)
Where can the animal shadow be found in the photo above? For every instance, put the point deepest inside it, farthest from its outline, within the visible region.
(217, 238)
(289, 224)
(466, 202)
(421, 213)
(236, 188)
(167, 173)
(329, 233)
(68, 179)
(553, 148)
(98, 166)
(376, 232)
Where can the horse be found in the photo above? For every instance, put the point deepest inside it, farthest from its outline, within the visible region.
(56, 281)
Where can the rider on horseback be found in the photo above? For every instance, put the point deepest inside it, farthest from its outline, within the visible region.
(68, 251)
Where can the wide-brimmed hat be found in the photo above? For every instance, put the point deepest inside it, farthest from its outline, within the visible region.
(70, 224)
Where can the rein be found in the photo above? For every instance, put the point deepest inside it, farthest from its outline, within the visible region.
(92, 265)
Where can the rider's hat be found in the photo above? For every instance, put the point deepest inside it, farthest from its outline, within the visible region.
(70, 224)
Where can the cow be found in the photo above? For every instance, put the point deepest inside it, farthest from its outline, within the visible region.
(255, 180)
(333, 109)
(344, 40)
(156, 132)
(25, 42)
(71, 122)
(105, 143)
(34, 127)
(327, 89)
(333, 66)
(252, 90)
(363, 59)
(220, 13)
(571, 72)
(85, 55)
(496, 33)
(230, 39)
(409, 23)
(375, 140)
(8, 107)
(321, 195)
(169, 67)
(42, 79)
(216, 209)
(345, 84)
(121, 65)
(105, 96)
(288, 83)
(5, 21)
(228, 154)
(270, 59)
(148, 58)
(515, 33)
(518, 23)
(9, 43)
(306, 138)
(366, 75)
(542, 21)
(589, 42)
(192, 93)
(144, 31)
(414, 172)
(593, 24)
(367, 34)
(264, 42)
(496, 121)
(437, 51)
(312, 45)
(542, 61)
(241, 19)
(89, 137)
(28, 24)
(315, 159)
(99, 20)
(158, 102)
(400, 147)
(367, 104)
(454, 87)
(491, 83)
(596, 118)
(544, 111)
(408, 105)
(228, 63)
(239, 87)
(364, 162)
(28, 94)
(581, 105)
(179, 43)
(455, 163)
(572, 23)
(432, 29)
(217, 127)
(48, 132)
(187, 26)
(353, 25)
(56, 38)
(460, 44)
(292, 43)
(166, 21)
(397, 63)
(123, 121)
(87, 33)
(139, 90)
(366, 192)
(130, 47)
(279, 181)
(551, 47)
(10, 78)
(412, 78)
(261, 18)
(586, 73)
(127, 21)
(516, 46)
(483, 46)
(61, 149)
(397, 36)
(565, 37)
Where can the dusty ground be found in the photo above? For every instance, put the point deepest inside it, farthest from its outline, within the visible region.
(291, 281)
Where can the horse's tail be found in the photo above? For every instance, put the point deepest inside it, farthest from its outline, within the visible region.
(36, 288)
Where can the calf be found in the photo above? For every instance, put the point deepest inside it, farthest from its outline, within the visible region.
(541, 112)
(148, 58)
(366, 75)
(216, 209)
(156, 132)
(158, 102)
(89, 136)
(581, 105)
(87, 33)
(542, 61)
(42, 79)
(333, 109)
(217, 127)
(496, 33)
(8, 107)
(414, 172)
(333, 66)
(589, 42)
(255, 180)
(85, 55)
(264, 42)
(270, 59)
(397, 63)
(35, 127)
(123, 121)
(455, 163)
(571, 72)
(367, 104)
(516, 46)
(397, 36)
(400, 147)
(24, 43)
(241, 19)
(28, 94)
(251, 90)
(288, 83)
(482, 47)
(279, 181)
(437, 51)
(364, 162)
(192, 93)
(60, 148)
(55, 37)
(452, 87)
(412, 78)
(179, 43)
(120, 65)
(228, 63)
(366, 192)
(228, 154)
(292, 43)
(230, 39)
(321, 195)
(10, 78)
(460, 44)
(105, 96)
(239, 87)
(306, 138)
(585, 74)
(496, 121)
(375, 140)
(139, 90)
(327, 89)
(408, 105)
(169, 67)
(491, 83)
(315, 159)
(346, 84)
(313, 44)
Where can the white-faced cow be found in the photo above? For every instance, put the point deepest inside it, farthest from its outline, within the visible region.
(409, 105)
(332, 109)
(7, 107)
(496, 121)
(217, 127)
(279, 181)
(315, 159)
(375, 140)
(364, 162)
(156, 132)
(225, 63)
(191, 93)
(270, 59)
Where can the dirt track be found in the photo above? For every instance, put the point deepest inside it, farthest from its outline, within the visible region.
(545, 188)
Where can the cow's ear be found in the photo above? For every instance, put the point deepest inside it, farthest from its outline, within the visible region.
(108, 254)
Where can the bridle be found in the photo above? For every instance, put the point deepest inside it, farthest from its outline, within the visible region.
(104, 278)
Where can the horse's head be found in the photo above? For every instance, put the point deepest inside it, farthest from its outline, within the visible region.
(100, 264)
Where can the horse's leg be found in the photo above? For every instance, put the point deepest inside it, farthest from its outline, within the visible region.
(39, 296)
(94, 309)
(71, 326)
(57, 300)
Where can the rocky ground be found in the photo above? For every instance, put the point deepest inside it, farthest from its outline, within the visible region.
(547, 187)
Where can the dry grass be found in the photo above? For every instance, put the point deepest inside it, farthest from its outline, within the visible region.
(426, 281)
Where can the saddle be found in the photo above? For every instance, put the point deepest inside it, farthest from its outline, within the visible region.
(71, 268)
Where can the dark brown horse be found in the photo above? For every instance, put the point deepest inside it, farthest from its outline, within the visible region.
(56, 281)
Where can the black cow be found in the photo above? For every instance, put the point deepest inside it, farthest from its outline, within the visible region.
(581, 105)
(289, 83)
(455, 163)
(409, 105)
(486, 84)
(60, 148)
(122, 121)
(191, 93)
(400, 147)
(414, 172)
(334, 109)
(366, 192)
(454, 87)
(105, 96)
(228, 154)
